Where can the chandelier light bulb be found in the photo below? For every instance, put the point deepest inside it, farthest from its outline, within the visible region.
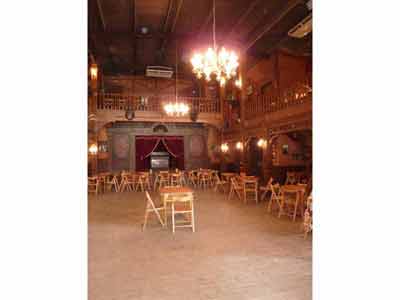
(238, 83)
(239, 146)
(224, 147)
(262, 143)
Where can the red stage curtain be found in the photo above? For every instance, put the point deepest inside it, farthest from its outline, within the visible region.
(175, 147)
(144, 147)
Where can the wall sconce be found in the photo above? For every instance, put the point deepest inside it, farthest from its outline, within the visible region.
(239, 146)
(93, 149)
(262, 143)
(224, 147)
(93, 72)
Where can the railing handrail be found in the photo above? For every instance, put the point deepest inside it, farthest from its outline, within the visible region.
(137, 102)
(275, 100)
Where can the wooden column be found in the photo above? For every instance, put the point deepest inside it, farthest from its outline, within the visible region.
(92, 128)
(243, 75)
(222, 99)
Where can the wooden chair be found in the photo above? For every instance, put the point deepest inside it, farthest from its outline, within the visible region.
(176, 179)
(289, 204)
(164, 179)
(276, 196)
(266, 189)
(127, 182)
(112, 182)
(205, 179)
(308, 221)
(214, 174)
(182, 205)
(219, 183)
(236, 188)
(142, 181)
(193, 179)
(93, 185)
(151, 208)
(250, 190)
(102, 178)
(291, 178)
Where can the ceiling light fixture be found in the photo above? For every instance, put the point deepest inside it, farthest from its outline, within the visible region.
(176, 109)
(219, 63)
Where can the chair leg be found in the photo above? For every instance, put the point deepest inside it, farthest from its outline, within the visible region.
(173, 218)
(295, 207)
(145, 219)
(191, 204)
(281, 207)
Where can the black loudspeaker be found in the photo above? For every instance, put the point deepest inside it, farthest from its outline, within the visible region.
(194, 115)
(129, 114)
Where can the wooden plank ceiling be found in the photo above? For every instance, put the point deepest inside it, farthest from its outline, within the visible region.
(125, 36)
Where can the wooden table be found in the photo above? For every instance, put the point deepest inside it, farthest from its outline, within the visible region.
(165, 192)
(300, 190)
(228, 175)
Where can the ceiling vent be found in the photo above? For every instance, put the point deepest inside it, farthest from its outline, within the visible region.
(302, 29)
(159, 71)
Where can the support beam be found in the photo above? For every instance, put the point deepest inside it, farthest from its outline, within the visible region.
(131, 35)
(243, 17)
(165, 26)
(133, 26)
(101, 15)
(175, 20)
(206, 21)
(258, 34)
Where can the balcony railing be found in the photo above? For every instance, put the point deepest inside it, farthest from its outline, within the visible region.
(114, 101)
(274, 101)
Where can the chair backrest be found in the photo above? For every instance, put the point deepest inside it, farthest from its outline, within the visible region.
(216, 176)
(275, 189)
(290, 178)
(92, 180)
(182, 198)
(235, 183)
(250, 184)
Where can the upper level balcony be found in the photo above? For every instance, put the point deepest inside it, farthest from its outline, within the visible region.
(275, 105)
(112, 107)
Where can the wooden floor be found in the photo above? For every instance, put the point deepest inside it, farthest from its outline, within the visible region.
(237, 252)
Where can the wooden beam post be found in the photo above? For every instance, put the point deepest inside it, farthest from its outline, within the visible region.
(255, 35)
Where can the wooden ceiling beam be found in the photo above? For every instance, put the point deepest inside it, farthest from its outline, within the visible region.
(164, 29)
(133, 27)
(101, 15)
(207, 20)
(243, 17)
(175, 20)
(257, 34)
(178, 10)
(131, 35)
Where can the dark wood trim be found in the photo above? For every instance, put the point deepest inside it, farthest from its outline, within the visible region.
(256, 34)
